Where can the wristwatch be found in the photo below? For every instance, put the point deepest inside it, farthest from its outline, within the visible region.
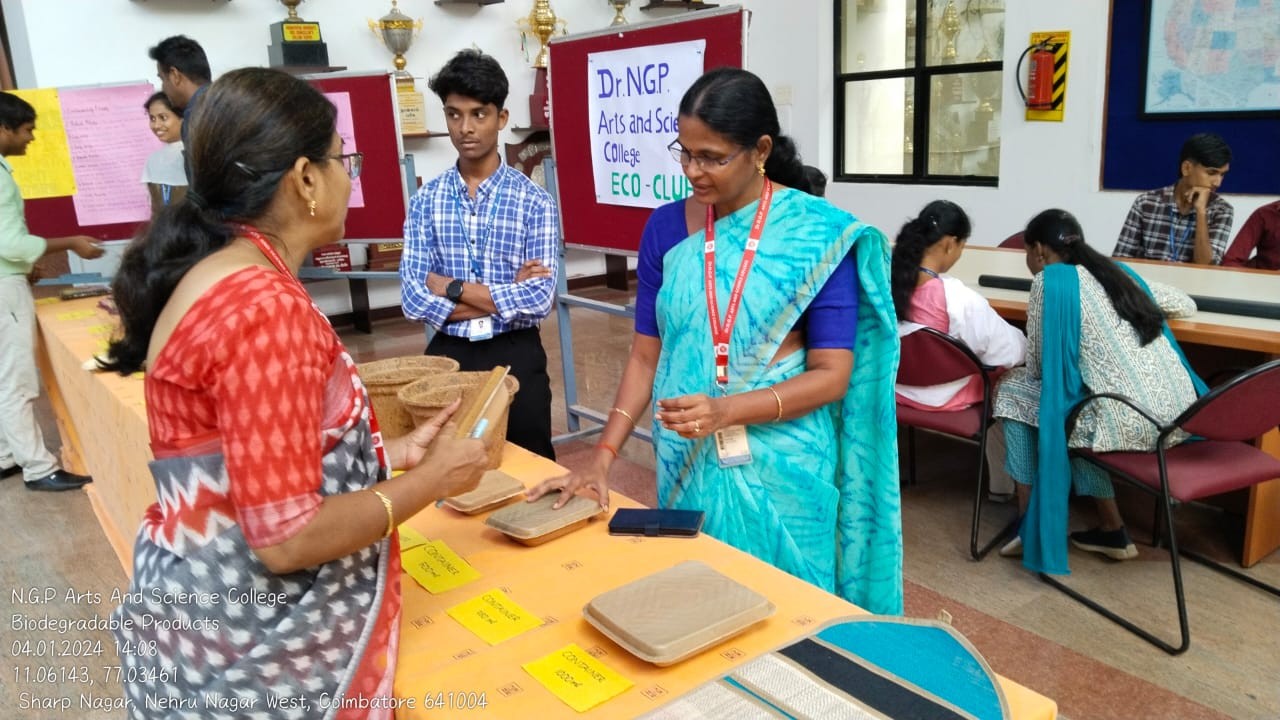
(453, 291)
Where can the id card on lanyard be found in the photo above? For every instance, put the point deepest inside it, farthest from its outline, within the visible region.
(480, 328)
(1175, 246)
(732, 447)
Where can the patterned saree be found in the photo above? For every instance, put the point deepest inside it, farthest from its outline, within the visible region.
(206, 630)
(820, 497)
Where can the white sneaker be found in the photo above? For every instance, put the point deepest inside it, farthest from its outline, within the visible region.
(1013, 548)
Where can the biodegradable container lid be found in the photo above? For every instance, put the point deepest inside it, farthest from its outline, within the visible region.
(535, 523)
(495, 488)
(670, 615)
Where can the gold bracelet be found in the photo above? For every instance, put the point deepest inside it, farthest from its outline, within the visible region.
(777, 397)
(626, 415)
(391, 515)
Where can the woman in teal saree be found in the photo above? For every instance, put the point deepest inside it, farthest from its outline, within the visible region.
(774, 382)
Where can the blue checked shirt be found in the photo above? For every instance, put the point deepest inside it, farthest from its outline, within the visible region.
(483, 240)
(1154, 230)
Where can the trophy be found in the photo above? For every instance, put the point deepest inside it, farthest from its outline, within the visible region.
(618, 7)
(950, 28)
(397, 32)
(296, 42)
(542, 22)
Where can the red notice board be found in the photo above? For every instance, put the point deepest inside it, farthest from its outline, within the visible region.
(373, 113)
(587, 223)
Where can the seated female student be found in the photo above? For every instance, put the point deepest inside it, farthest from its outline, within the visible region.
(165, 172)
(925, 296)
(1093, 327)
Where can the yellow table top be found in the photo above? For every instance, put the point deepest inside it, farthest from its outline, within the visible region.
(554, 581)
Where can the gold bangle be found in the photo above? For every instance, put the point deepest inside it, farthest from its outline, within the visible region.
(391, 515)
(626, 415)
(777, 397)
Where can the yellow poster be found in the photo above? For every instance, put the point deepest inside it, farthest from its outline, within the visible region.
(577, 678)
(494, 617)
(45, 171)
(410, 538)
(437, 567)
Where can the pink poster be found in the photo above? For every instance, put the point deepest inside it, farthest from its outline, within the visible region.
(110, 139)
(347, 131)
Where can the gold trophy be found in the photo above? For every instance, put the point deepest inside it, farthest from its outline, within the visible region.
(397, 32)
(950, 28)
(542, 23)
(296, 42)
(618, 7)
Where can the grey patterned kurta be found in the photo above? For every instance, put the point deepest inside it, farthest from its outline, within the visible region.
(1111, 360)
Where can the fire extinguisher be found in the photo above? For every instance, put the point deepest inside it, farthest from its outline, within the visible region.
(1039, 95)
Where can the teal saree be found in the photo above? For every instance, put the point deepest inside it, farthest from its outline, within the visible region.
(820, 499)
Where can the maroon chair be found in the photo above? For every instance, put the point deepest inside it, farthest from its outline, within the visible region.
(1221, 459)
(1014, 241)
(930, 357)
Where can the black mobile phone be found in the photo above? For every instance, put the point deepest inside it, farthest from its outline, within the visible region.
(656, 523)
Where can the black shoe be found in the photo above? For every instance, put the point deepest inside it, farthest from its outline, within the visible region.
(59, 480)
(10, 471)
(1115, 544)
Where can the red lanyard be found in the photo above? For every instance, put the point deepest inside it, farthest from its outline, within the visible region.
(264, 246)
(720, 332)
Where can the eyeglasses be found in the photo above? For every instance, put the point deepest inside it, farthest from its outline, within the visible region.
(351, 162)
(704, 163)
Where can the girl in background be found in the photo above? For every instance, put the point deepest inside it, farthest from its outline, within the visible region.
(1093, 326)
(165, 173)
(925, 296)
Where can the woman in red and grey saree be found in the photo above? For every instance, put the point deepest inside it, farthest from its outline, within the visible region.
(266, 579)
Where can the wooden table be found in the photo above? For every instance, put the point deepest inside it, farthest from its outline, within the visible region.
(1246, 340)
(102, 418)
(103, 422)
(555, 580)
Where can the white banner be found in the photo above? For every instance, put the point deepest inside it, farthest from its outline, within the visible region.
(633, 102)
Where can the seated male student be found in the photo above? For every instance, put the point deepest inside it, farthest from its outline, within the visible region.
(1187, 221)
(1261, 232)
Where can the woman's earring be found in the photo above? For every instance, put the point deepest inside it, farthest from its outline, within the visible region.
(311, 206)
(760, 168)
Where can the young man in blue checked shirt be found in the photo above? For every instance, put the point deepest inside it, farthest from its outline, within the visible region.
(480, 249)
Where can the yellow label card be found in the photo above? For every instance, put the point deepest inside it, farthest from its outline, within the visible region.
(48, 300)
(494, 617)
(437, 568)
(77, 315)
(410, 538)
(102, 330)
(578, 679)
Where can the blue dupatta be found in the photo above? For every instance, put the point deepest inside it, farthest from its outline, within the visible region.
(1044, 530)
(820, 499)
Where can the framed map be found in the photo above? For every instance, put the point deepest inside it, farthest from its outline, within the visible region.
(1211, 57)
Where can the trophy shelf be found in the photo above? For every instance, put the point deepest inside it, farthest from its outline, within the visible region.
(468, 2)
(686, 4)
(428, 134)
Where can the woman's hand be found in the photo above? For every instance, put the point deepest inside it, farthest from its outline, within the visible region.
(595, 477)
(692, 416)
(455, 464)
(407, 451)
